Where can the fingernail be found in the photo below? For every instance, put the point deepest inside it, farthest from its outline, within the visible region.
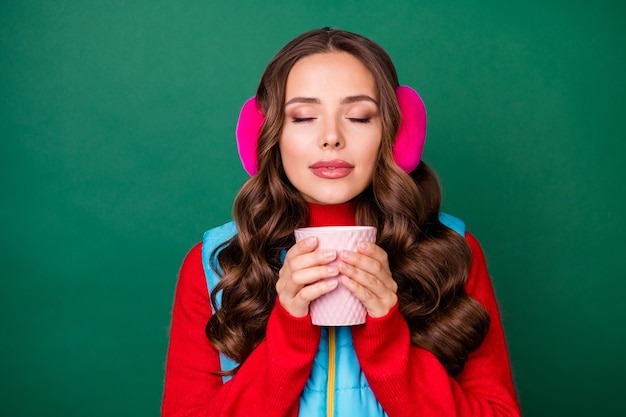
(363, 245)
(332, 283)
(330, 254)
(346, 254)
(310, 241)
(333, 270)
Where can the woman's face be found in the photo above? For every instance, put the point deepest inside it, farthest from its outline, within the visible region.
(332, 131)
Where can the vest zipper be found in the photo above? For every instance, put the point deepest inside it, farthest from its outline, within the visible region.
(330, 394)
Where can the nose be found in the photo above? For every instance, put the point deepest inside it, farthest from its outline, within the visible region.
(331, 136)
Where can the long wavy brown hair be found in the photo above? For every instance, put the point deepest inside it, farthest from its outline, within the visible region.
(429, 262)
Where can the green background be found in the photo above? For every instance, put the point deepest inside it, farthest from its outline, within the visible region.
(117, 152)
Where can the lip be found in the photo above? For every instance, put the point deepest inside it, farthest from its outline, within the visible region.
(331, 169)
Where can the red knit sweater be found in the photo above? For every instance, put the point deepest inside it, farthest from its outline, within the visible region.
(407, 380)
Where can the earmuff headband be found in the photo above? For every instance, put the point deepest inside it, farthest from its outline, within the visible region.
(407, 149)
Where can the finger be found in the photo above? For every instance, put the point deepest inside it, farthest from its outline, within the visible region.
(303, 246)
(298, 306)
(365, 282)
(373, 261)
(310, 259)
(312, 292)
(373, 251)
(375, 304)
(305, 277)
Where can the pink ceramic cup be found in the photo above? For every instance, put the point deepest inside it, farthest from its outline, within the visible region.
(339, 307)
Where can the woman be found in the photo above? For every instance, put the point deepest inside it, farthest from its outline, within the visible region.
(332, 150)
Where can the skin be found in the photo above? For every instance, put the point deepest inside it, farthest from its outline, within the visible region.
(331, 113)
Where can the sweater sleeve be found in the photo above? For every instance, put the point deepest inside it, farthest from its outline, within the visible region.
(268, 383)
(410, 381)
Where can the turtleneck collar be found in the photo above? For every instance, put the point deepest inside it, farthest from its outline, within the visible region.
(332, 214)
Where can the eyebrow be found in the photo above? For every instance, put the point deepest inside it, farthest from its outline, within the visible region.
(345, 100)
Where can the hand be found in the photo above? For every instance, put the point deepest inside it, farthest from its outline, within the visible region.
(368, 277)
(301, 278)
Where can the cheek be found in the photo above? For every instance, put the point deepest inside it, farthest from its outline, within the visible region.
(290, 153)
(372, 149)
(285, 148)
(295, 141)
(371, 157)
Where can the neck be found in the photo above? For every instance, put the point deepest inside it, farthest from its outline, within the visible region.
(331, 214)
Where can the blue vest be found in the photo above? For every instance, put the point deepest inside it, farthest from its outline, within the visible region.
(337, 386)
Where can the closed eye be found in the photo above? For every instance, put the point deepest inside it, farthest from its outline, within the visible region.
(360, 119)
(302, 119)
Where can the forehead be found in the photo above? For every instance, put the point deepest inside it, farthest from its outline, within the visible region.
(332, 72)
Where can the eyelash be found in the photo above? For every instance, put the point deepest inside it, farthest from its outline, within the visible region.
(302, 119)
(352, 119)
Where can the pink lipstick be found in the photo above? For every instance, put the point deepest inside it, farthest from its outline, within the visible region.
(333, 169)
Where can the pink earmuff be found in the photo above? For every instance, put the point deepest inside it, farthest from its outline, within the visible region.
(248, 130)
(407, 149)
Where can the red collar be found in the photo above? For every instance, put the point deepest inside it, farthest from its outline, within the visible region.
(331, 215)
